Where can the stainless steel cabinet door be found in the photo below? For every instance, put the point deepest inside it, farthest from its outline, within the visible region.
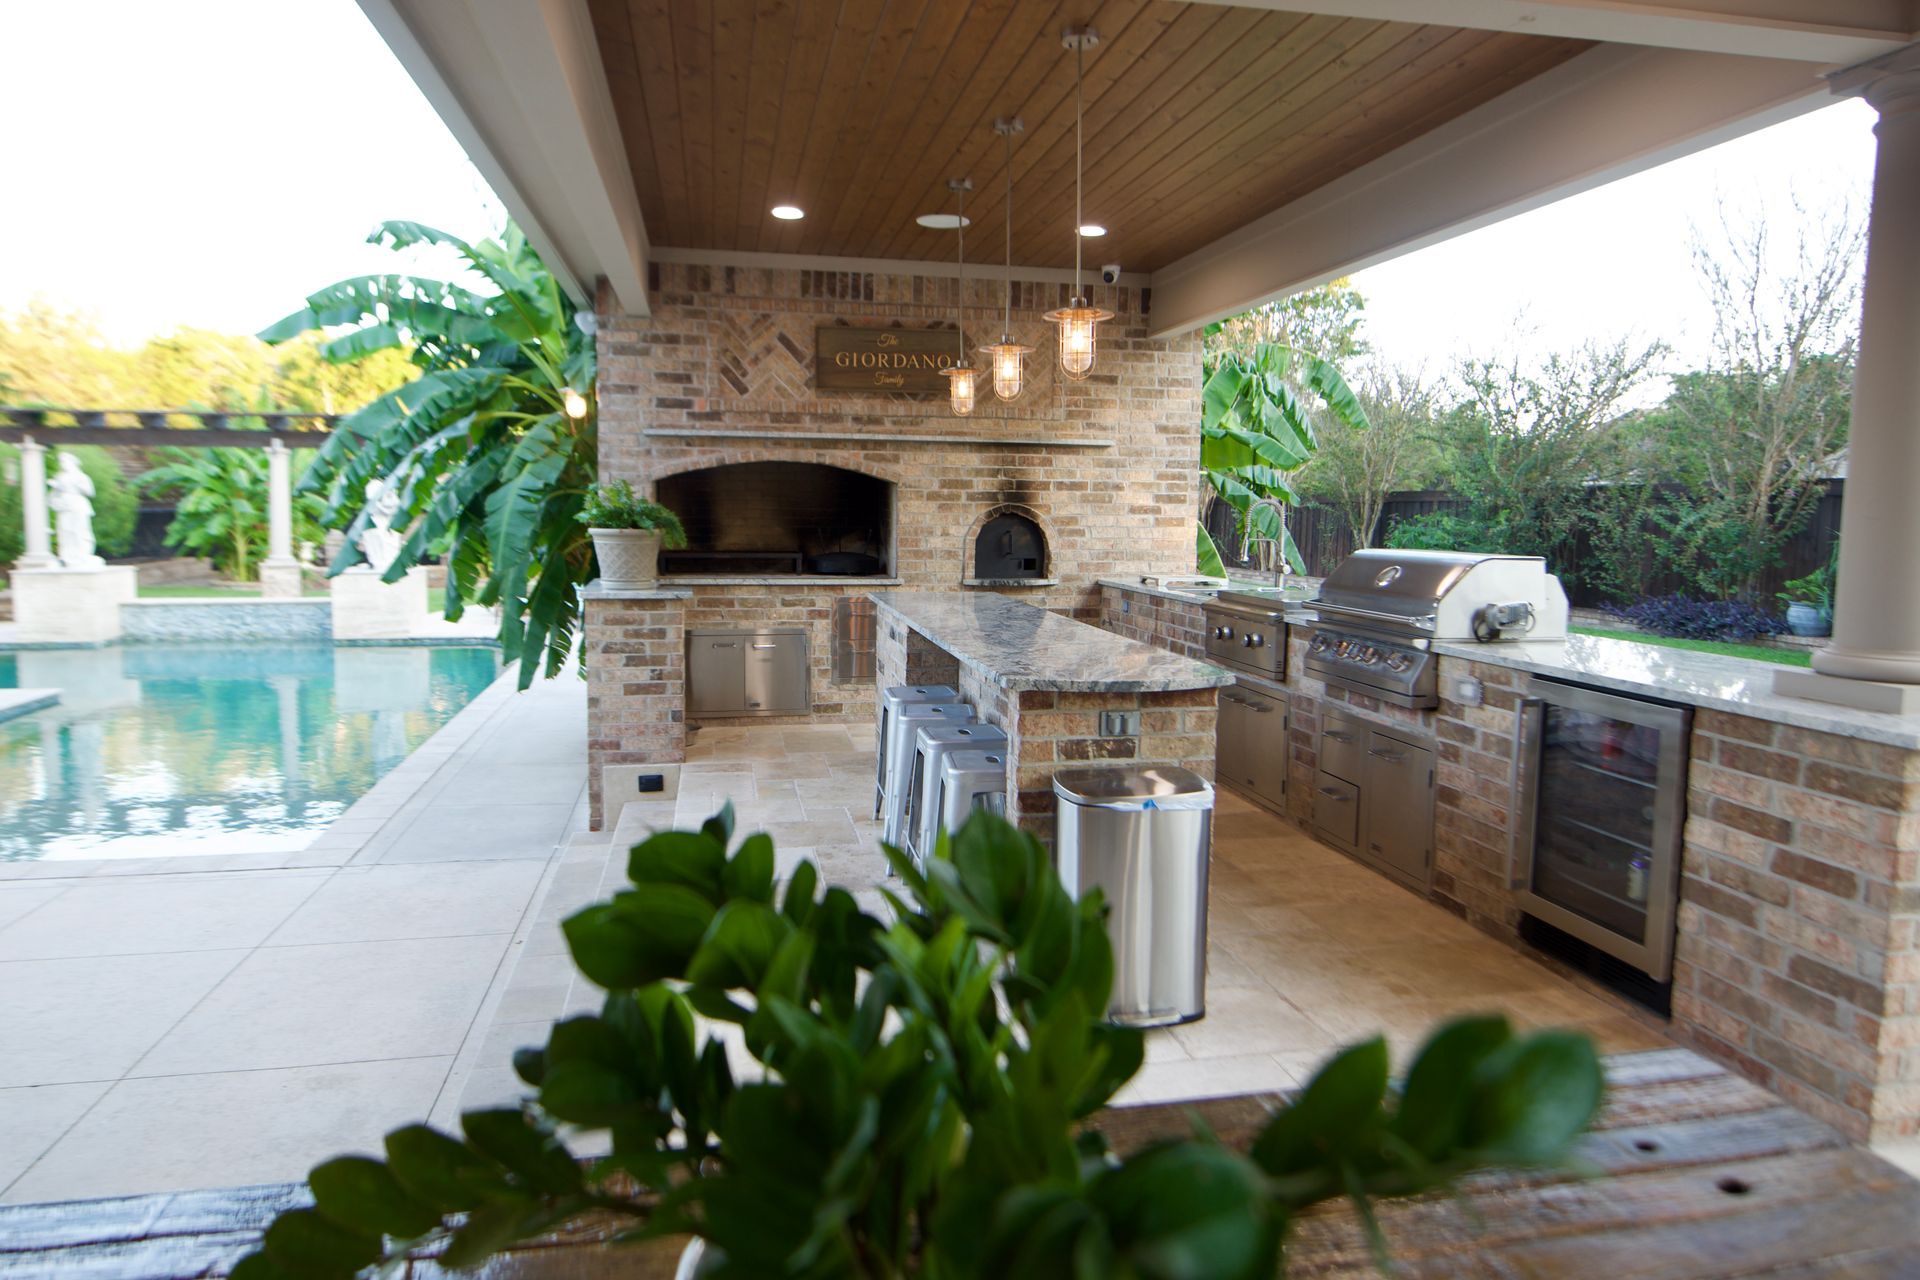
(716, 674)
(1336, 810)
(1267, 770)
(1231, 740)
(776, 674)
(1399, 791)
(1343, 748)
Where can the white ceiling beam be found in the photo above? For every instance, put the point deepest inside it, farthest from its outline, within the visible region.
(1610, 112)
(1831, 32)
(520, 85)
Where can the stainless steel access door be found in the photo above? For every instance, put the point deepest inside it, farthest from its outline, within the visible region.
(1599, 802)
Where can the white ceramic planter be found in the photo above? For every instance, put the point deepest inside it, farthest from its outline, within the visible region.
(629, 558)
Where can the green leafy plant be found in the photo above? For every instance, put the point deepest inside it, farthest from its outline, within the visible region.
(1815, 588)
(491, 467)
(919, 1101)
(614, 505)
(1256, 430)
(221, 505)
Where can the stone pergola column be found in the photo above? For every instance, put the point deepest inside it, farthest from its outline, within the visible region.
(38, 551)
(1874, 660)
(279, 572)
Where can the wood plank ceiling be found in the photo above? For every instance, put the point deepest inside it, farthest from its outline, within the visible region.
(1199, 117)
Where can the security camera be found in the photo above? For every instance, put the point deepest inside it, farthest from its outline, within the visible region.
(1111, 273)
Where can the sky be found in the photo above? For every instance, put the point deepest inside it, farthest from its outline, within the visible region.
(211, 162)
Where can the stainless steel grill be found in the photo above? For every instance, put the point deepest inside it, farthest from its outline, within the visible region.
(1381, 610)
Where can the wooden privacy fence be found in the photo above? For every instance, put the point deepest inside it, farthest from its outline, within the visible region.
(1324, 542)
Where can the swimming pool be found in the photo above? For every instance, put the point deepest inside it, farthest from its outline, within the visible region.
(193, 749)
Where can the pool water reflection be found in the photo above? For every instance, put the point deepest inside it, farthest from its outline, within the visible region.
(190, 749)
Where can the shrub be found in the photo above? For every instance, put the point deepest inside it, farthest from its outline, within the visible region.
(115, 504)
(1689, 618)
(915, 1099)
(1443, 531)
(614, 505)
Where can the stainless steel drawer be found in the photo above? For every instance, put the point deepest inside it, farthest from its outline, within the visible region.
(1343, 747)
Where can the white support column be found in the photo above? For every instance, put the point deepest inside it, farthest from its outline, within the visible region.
(1874, 661)
(279, 572)
(38, 552)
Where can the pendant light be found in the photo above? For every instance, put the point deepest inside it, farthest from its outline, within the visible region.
(1079, 319)
(1007, 358)
(960, 376)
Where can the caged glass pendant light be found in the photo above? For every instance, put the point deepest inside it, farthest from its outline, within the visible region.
(960, 376)
(1079, 320)
(1007, 358)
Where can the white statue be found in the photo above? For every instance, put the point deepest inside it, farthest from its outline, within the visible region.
(378, 542)
(70, 498)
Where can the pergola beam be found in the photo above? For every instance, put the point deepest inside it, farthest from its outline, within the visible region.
(1612, 111)
(521, 86)
(1832, 32)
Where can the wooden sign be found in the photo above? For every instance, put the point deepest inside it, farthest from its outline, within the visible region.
(898, 360)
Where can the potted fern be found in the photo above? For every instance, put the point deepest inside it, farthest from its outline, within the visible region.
(1809, 600)
(914, 1094)
(628, 532)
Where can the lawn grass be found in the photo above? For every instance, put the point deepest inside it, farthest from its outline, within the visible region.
(1758, 652)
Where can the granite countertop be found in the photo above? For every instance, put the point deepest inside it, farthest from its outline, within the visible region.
(1740, 686)
(1019, 646)
(598, 590)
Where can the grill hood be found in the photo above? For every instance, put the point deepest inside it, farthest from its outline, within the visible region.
(1437, 595)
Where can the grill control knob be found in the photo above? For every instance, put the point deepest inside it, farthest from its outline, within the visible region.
(1223, 633)
(1398, 662)
(1319, 644)
(1369, 655)
(1254, 640)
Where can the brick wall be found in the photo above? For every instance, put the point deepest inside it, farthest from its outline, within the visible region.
(635, 657)
(1798, 959)
(1171, 624)
(732, 349)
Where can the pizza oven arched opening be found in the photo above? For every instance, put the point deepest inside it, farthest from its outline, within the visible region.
(1010, 547)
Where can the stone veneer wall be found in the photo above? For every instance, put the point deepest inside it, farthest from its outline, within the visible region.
(731, 349)
(1798, 955)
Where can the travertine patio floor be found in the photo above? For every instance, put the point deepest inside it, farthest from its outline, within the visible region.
(1308, 950)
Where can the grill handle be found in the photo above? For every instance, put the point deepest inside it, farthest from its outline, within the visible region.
(1419, 622)
(1529, 723)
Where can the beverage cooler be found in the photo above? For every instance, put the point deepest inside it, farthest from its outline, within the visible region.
(1600, 802)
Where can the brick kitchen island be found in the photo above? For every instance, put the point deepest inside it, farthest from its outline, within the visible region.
(1045, 680)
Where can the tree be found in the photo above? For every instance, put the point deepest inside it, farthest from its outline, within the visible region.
(1753, 433)
(305, 380)
(1360, 462)
(1522, 443)
(54, 357)
(1324, 321)
(480, 447)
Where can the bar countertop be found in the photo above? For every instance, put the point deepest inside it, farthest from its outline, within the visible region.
(1021, 646)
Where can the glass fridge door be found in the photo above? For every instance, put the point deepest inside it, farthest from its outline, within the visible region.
(1602, 789)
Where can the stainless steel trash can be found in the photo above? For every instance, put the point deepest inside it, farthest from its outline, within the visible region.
(1142, 835)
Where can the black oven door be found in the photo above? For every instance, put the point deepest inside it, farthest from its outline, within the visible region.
(1599, 806)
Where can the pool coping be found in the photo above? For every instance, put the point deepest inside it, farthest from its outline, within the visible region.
(341, 840)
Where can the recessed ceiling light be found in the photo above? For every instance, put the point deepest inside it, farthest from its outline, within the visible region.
(1092, 230)
(788, 212)
(943, 221)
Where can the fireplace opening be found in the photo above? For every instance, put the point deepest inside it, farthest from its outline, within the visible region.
(770, 519)
(1010, 547)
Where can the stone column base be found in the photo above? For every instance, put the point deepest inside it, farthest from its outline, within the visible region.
(636, 665)
(280, 581)
(365, 608)
(71, 606)
(1861, 695)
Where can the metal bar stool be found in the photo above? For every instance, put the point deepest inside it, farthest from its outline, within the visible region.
(932, 745)
(970, 780)
(892, 698)
(908, 718)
